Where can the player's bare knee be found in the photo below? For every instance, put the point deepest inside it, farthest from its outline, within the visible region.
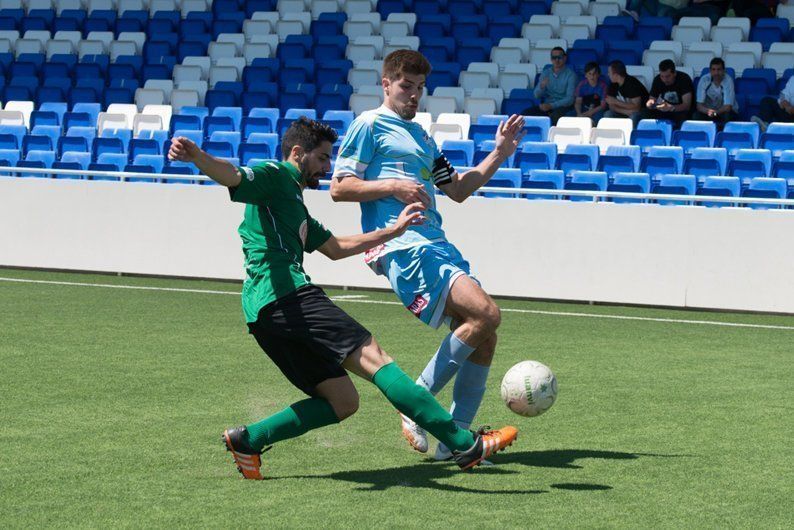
(345, 405)
(490, 318)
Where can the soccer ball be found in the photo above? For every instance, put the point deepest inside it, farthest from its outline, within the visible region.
(529, 388)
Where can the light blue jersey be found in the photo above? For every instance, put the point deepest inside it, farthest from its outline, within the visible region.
(382, 145)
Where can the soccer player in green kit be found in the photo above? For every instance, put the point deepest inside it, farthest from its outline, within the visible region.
(311, 340)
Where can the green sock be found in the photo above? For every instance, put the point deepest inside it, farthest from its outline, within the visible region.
(295, 420)
(419, 404)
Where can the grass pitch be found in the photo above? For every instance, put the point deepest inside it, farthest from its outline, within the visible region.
(113, 401)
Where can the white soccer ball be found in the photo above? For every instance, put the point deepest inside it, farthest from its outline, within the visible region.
(529, 388)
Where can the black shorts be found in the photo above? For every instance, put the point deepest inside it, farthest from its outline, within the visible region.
(308, 337)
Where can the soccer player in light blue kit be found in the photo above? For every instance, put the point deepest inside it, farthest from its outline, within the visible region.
(385, 161)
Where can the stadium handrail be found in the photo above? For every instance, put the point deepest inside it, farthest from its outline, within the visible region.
(597, 196)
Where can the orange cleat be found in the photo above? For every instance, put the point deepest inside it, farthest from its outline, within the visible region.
(247, 459)
(486, 443)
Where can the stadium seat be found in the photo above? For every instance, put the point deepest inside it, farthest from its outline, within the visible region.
(630, 183)
(675, 185)
(586, 181)
(620, 159)
(543, 179)
(661, 160)
(766, 188)
(504, 178)
(536, 155)
(460, 153)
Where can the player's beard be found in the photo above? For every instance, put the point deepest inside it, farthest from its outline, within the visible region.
(311, 181)
(408, 113)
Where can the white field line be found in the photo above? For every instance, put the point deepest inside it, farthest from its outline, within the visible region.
(356, 299)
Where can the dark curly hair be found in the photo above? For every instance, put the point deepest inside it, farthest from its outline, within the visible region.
(306, 133)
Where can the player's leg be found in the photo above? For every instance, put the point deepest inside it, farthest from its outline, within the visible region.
(307, 337)
(414, 401)
(470, 306)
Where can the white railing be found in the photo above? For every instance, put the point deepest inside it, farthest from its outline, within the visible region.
(596, 196)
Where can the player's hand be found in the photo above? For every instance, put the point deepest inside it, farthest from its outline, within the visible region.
(408, 191)
(544, 81)
(545, 107)
(183, 150)
(509, 135)
(412, 215)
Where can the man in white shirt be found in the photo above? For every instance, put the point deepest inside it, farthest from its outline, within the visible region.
(781, 109)
(716, 97)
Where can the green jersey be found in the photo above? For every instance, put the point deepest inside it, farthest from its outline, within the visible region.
(276, 231)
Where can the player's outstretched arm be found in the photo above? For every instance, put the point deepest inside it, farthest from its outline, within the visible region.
(508, 138)
(221, 171)
(349, 188)
(345, 246)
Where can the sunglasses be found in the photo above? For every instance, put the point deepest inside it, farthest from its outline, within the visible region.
(557, 57)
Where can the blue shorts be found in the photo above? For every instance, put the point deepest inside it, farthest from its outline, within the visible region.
(422, 277)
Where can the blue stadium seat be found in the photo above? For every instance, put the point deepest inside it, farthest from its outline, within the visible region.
(271, 139)
(217, 123)
(663, 159)
(767, 188)
(250, 151)
(124, 135)
(708, 130)
(107, 145)
(235, 113)
(586, 181)
(707, 161)
(630, 183)
(9, 157)
(230, 137)
(675, 185)
(504, 178)
(39, 118)
(616, 163)
(548, 179)
(344, 116)
(141, 146)
(777, 142)
(751, 163)
(34, 142)
(185, 122)
(37, 159)
(12, 136)
(536, 155)
(485, 148)
(664, 126)
(219, 149)
(53, 132)
(197, 137)
(256, 124)
(460, 153)
(74, 143)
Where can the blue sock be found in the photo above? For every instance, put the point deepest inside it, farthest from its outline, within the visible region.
(468, 392)
(452, 353)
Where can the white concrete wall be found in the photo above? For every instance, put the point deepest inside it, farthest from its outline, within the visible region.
(639, 254)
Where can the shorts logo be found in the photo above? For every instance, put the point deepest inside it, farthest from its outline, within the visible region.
(373, 253)
(249, 173)
(418, 305)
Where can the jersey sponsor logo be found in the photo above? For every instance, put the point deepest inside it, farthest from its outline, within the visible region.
(418, 305)
(303, 231)
(373, 253)
(249, 173)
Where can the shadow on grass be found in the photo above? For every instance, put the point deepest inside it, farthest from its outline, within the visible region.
(566, 458)
(428, 473)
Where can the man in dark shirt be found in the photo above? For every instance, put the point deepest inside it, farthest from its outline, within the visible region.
(671, 95)
(625, 95)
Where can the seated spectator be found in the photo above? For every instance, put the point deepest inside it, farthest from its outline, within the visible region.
(654, 8)
(625, 94)
(713, 9)
(591, 94)
(716, 98)
(555, 88)
(671, 95)
(781, 109)
(755, 9)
